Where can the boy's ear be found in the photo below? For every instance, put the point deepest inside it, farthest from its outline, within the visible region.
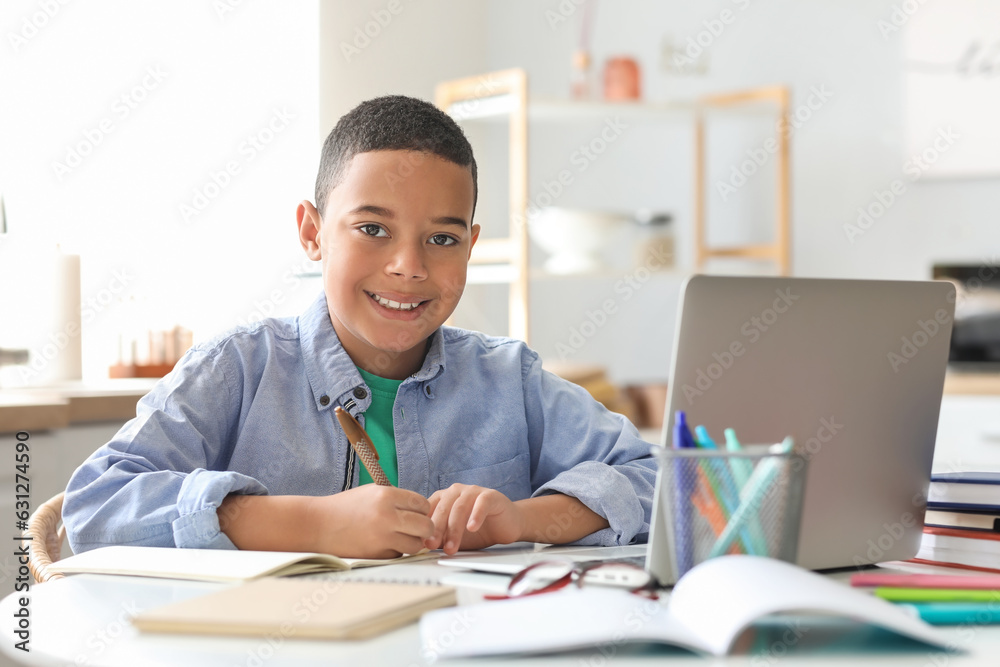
(309, 223)
(475, 237)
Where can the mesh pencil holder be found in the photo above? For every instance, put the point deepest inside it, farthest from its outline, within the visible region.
(718, 502)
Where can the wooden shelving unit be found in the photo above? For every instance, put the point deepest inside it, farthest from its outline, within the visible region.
(779, 250)
(503, 95)
(504, 92)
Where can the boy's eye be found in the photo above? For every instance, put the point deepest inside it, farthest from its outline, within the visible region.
(443, 239)
(371, 229)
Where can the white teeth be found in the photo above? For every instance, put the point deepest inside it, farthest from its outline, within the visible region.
(395, 305)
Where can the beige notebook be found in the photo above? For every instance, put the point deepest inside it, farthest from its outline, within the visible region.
(297, 608)
(212, 564)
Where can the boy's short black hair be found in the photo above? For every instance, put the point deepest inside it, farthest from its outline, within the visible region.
(393, 122)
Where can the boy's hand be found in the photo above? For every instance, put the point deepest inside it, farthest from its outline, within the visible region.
(371, 521)
(471, 517)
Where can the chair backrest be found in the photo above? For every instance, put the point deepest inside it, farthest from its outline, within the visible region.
(47, 533)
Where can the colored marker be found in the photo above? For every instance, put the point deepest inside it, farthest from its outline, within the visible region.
(955, 613)
(895, 594)
(727, 493)
(683, 488)
(742, 469)
(755, 490)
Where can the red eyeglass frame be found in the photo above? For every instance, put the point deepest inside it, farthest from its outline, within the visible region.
(576, 572)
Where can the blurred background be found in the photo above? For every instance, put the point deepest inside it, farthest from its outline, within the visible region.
(152, 156)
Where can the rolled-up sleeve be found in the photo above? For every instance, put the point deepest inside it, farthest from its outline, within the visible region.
(581, 449)
(159, 481)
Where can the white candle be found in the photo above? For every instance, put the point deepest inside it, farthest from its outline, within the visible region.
(51, 314)
(68, 364)
(40, 312)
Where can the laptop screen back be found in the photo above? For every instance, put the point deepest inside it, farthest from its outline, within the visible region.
(853, 370)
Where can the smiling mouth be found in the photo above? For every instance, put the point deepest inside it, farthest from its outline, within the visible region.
(395, 305)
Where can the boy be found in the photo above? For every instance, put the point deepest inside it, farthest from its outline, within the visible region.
(239, 446)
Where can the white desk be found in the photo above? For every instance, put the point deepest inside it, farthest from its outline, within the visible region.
(83, 620)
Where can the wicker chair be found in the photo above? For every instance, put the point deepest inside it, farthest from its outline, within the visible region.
(47, 533)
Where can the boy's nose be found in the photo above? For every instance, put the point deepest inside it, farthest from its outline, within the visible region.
(408, 262)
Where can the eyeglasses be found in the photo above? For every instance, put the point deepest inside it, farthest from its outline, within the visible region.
(552, 575)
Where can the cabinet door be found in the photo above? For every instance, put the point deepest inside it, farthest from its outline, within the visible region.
(53, 457)
(968, 436)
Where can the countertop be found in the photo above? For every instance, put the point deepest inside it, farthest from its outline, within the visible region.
(59, 406)
(43, 408)
(972, 383)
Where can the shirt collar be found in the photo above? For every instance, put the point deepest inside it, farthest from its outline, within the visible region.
(434, 360)
(331, 371)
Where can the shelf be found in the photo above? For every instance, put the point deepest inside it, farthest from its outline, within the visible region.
(498, 107)
(490, 274)
(982, 384)
(608, 274)
(495, 274)
(502, 95)
(492, 251)
(61, 405)
(504, 260)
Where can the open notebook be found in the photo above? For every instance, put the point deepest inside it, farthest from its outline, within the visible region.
(212, 564)
(708, 610)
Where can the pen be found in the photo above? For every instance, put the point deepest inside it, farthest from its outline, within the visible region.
(362, 444)
(728, 493)
(955, 613)
(895, 594)
(742, 469)
(990, 582)
(683, 488)
(756, 490)
(707, 506)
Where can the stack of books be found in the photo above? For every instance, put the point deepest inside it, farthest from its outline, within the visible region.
(962, 524)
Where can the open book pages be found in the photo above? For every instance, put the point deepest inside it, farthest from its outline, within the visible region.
(708, 610)
(212, 564)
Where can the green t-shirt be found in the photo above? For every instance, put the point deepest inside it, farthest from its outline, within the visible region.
(378, 425)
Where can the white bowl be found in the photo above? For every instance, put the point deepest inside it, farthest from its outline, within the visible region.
(573, 237)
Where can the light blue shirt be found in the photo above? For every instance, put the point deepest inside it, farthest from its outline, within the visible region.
(251, 412)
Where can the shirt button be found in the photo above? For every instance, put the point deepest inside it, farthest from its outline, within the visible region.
(359, 392)
(427, 390)
(324, 400)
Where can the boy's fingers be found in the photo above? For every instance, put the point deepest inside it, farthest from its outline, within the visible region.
(457, 520)
(480, 511)
(407, 544)
(433, 503)
(414, 502)
(415, 525)
(439, 518)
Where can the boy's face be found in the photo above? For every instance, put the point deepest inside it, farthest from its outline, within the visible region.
(395, 241)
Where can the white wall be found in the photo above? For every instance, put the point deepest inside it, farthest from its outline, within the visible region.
(399, 47)
(200, 79)
(232, 262)
(849, 148)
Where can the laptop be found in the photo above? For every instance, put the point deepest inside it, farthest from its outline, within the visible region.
(852, 370)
